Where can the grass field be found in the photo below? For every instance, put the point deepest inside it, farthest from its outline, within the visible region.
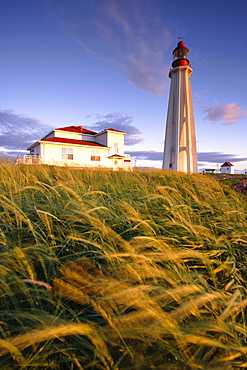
(121, 271)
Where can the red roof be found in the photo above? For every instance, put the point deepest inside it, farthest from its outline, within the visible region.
(61, 140)
(181, 45)
(80, 129)
(77, 129)
(117, 156)
(112, 129)
(226, 164)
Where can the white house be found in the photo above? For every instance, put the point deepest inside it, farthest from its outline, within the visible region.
(227, 167)
(75, 146)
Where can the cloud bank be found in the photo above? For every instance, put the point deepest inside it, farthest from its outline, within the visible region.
(227, 114)
(205, 157)
(218, 157)
(17, 132)
(120, 32)
(121, 122)
(150, 155)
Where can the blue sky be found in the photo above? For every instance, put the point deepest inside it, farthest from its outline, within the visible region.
(105, 63)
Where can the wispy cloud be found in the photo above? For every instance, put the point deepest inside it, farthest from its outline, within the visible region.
(118, 121)
(17, 132)
(121, 32)
(226, 114)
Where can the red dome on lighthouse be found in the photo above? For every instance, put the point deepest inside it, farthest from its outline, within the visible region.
(180, 55)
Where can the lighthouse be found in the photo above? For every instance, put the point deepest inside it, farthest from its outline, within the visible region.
(180, 138)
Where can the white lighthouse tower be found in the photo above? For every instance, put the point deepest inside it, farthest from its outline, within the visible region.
(180, 139)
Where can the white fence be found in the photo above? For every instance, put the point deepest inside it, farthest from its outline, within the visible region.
(28, 159)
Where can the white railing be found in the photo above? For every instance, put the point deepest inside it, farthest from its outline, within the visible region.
(28, 159)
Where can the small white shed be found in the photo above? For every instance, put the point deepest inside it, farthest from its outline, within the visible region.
(227, 167)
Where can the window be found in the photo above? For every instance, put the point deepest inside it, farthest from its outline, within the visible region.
(95, 155)
(67, 153)
(115, 147)
(116, 162)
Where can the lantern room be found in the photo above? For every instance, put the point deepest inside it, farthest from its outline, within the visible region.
(180, 55)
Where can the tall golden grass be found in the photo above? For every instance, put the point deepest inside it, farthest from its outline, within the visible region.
(116, 270)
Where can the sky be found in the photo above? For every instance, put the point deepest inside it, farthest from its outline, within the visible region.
(104, 64)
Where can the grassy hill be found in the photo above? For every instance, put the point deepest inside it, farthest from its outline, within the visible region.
(117, 270)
